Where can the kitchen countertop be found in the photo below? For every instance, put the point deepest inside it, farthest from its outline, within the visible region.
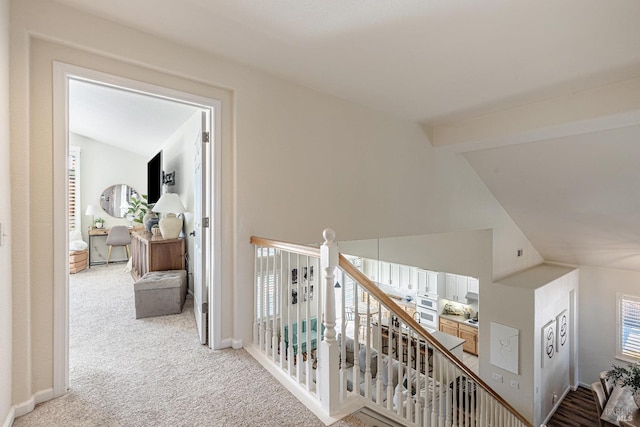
(449, 342)
(459, 319)
(402, 302)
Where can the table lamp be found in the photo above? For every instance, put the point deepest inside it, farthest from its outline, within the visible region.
(170, 205)
(92, 210)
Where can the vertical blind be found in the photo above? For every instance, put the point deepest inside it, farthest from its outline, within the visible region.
(629, 326)
(74, 188)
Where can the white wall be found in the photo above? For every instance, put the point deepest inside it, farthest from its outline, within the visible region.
(598, 326)
(102, 166)
(177, 155)
(278, 142)
(5, 215)
(553, 379)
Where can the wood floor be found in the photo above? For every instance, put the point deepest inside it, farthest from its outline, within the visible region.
(577, 409)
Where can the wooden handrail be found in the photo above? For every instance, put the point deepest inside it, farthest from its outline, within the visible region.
(374, 290)
(286, 246)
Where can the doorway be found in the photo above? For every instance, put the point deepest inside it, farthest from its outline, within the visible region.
(64, 76)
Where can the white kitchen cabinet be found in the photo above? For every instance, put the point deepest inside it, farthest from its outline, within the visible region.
(432, 282)
(427, 281)
(423, 283)
(473, 285)
(406, 279)
(385, 270)
(456, 287)
(450, 286)
(394, 275)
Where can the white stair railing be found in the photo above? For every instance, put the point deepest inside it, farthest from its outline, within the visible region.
(359, 347)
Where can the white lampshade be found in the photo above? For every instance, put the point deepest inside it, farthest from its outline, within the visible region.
(170, 225)
(91, 210)
(169, 203)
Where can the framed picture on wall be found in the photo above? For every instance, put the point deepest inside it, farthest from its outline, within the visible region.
(504, 347)
(562, 331)
(548, 342)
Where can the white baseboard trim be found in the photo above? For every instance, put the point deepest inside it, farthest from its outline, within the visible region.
(557, 405)
(28, 406)
(236, 344)
(11, 416)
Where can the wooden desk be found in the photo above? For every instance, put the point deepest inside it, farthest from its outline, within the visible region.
(155, 253)
(104, 232)
(621, 406)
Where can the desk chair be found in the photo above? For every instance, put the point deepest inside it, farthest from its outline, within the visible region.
(118, 236)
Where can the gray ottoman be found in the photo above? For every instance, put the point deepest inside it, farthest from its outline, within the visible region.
(159, 293)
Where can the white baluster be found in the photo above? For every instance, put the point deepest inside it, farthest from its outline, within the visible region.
(328, 362)
(290, 355)
(271, 271)
(282, 307)
(256, 272)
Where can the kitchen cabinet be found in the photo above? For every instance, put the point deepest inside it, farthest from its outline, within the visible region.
(449, 327)
(473, 285)
(456, 287)
(394, 275)
(460, 330)
(406, 277)
(470, 335)
(384, 272)
(427, 281)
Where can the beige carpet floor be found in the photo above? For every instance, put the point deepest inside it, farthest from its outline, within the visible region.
(154, 372)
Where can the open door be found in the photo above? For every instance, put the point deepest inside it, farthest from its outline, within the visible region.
(201, 264)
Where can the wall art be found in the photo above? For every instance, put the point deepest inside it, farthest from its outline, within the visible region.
(548, 342)
(562, 331)
(504, 347)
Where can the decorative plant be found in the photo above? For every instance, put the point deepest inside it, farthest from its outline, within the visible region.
(138, 207)
(626, 377)
(99, 220)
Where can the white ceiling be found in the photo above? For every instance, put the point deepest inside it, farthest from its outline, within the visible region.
(442, 62)
(128, 120)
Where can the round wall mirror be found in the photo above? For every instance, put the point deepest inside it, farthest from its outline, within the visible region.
(114, 200)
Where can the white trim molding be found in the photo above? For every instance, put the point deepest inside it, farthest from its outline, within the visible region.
(62, 74)
(28, 406)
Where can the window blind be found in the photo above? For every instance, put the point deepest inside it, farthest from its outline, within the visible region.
(629, 326)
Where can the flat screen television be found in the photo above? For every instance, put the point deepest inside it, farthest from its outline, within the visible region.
(154, 178)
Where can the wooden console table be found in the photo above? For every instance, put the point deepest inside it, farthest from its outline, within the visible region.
(155, 253)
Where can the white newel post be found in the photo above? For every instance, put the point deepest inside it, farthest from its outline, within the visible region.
(328, 360)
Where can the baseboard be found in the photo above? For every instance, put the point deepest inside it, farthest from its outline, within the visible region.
(11, 416)
(557, 405)
(28, 406)
(236, 344)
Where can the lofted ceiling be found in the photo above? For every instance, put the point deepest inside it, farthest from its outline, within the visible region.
(131, 121)
(568, 180)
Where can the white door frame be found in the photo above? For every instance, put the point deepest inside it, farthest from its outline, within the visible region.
(62, 72)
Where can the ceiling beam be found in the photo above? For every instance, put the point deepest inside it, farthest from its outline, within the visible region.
(604, 108)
